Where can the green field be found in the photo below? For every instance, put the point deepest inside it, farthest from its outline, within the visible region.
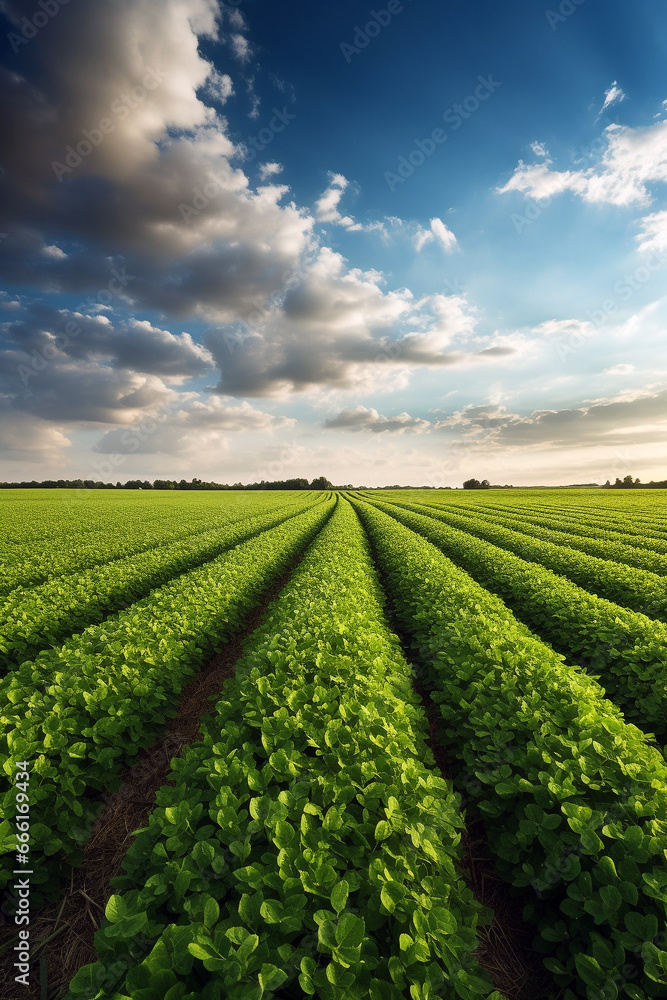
(407, 673)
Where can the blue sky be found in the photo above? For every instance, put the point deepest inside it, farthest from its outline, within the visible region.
(408, 243)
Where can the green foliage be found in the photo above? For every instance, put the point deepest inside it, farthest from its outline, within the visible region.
(625, 585)
(81, 713)
(36, 618)
(307, 843)
(574, 798)
(627, 649)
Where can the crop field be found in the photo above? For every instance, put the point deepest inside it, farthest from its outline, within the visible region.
(380, 744)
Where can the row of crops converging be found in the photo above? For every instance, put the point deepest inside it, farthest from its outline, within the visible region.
(308, 842)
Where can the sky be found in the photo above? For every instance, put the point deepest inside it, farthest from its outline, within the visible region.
(404, 244)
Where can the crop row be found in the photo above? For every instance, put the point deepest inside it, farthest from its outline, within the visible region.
(307, 844)
(83, 712)
(32, 620)
(557, 521)
(652, 562)
(83, 550)
(574, 799)
(599, 525)
(628, 649)
(632, 588)
(641, 517)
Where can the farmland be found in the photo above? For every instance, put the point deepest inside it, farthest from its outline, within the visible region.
(424, 751)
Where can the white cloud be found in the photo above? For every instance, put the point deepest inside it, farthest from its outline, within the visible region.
(438, 231)
(540, 149)
(326, 206)
(219, 86)
(654, 235)
(634, 159)
(199, 427)
(54, 252)
(240, 47)
(614, 95)
(267, 170)
(564, 328)
(622, 369)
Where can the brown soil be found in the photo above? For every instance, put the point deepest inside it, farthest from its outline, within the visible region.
(504, 951)
(62, 934)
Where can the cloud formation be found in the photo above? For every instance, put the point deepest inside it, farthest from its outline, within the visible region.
(639, 416)
(439, 232)
(368, 419)
(634, 159)
(614, 95)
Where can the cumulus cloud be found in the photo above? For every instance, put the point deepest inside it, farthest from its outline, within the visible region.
(219, 86)
(25, 437)
(46, 335)
(654, 232)
(326, 206)
(267, 170)
(439, 232)
(337, 328)
(201, 426)
(634, 159)
(108, 141)
(601, 422)
(365, 419)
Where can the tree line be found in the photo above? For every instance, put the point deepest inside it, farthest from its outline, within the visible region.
(320, 483)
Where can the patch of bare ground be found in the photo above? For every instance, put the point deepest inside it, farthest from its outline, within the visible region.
(62, 934)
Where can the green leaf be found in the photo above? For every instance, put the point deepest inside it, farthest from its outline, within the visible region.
(270, 977)
(382, 830)
(350, 930)
(589, 970)
(339, 896)
(115, 909)
(272, 911)
(211, 912)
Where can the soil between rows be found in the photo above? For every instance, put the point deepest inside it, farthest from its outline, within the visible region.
(62, 934)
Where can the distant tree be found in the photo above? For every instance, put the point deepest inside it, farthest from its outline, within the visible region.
(321, 483)
(485, 484)
(628, 481)
(471, 484)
